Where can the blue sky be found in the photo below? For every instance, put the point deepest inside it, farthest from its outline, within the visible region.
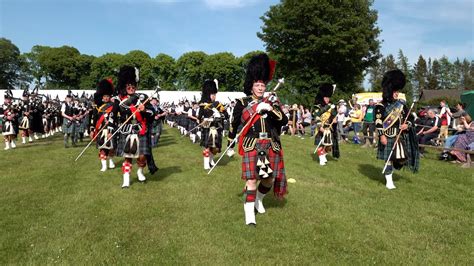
(432, 28)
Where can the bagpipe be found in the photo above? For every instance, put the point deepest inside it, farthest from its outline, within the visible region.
(272, 97)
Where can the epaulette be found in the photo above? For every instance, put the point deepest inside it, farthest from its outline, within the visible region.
(245, 100)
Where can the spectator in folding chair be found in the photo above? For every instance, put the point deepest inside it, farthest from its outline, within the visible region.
(430, 130)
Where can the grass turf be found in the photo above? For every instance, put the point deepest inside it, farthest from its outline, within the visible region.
(54, 210)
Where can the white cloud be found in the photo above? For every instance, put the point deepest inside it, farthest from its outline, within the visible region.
(216, 4)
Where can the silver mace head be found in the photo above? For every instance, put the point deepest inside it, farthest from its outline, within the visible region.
(280, 81)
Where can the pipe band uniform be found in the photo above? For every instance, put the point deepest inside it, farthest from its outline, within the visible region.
(212, 115)
(135, 116)
(396, 147)
(105, 123)
(259, 145)
(326, 139)
(10, 114)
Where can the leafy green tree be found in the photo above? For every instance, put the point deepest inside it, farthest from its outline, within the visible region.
(61, 66)
(405, 67)
(84, 66)
(33, 66)
(434, 73)
(467, 79)
(106, 66)
(445, 73)
(375, 76)
(190, 71)
(164, 71)
(316, 41)
(10, 64)
(143, 62)
(225, 68)
(420, 76)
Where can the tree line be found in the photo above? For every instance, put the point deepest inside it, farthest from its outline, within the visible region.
(66, 68)
(431, 74)
(312, 41)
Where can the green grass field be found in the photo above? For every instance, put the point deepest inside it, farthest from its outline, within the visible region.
(53, 210)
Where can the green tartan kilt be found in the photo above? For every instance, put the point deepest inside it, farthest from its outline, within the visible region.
(68, 127)
(384, 151)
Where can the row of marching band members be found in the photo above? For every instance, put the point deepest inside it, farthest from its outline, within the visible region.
(33, 116)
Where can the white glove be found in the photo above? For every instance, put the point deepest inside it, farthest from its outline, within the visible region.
(332, 106)
(263, 106)
(216, 114)
(273, 98)
(230, 152)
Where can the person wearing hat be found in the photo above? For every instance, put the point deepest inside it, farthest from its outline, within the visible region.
(390, 115)
(211, 114)
(193, 116)
(26, 117)
(325, 116)
(157, 122)
(69, 125)
(261, 120)
(9, 121)
(134, 140)
(105, 122)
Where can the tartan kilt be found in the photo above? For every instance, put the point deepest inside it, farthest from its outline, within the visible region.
(192, 124)
(249, 162)
(208, 142)
(155, 127)
(335, 143)
(384, 151)
(143, 148)
(68, 129)
(185, 121)
(80, 127)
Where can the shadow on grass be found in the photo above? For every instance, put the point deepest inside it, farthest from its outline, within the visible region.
(164, 172)
(375, 173)
(163, 143)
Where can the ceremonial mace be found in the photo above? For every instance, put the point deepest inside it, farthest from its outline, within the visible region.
(396, 140)
(280, 81)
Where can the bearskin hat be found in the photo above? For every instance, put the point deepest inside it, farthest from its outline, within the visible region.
(8, 94)
(105, 87)
(259, 68)
(209, 87)
(25, 92)
(393, 80)
(127, 75)
(325, 90)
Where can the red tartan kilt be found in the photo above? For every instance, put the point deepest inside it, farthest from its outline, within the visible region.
(249, 162)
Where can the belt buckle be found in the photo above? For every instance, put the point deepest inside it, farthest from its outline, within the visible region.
(263, 135)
